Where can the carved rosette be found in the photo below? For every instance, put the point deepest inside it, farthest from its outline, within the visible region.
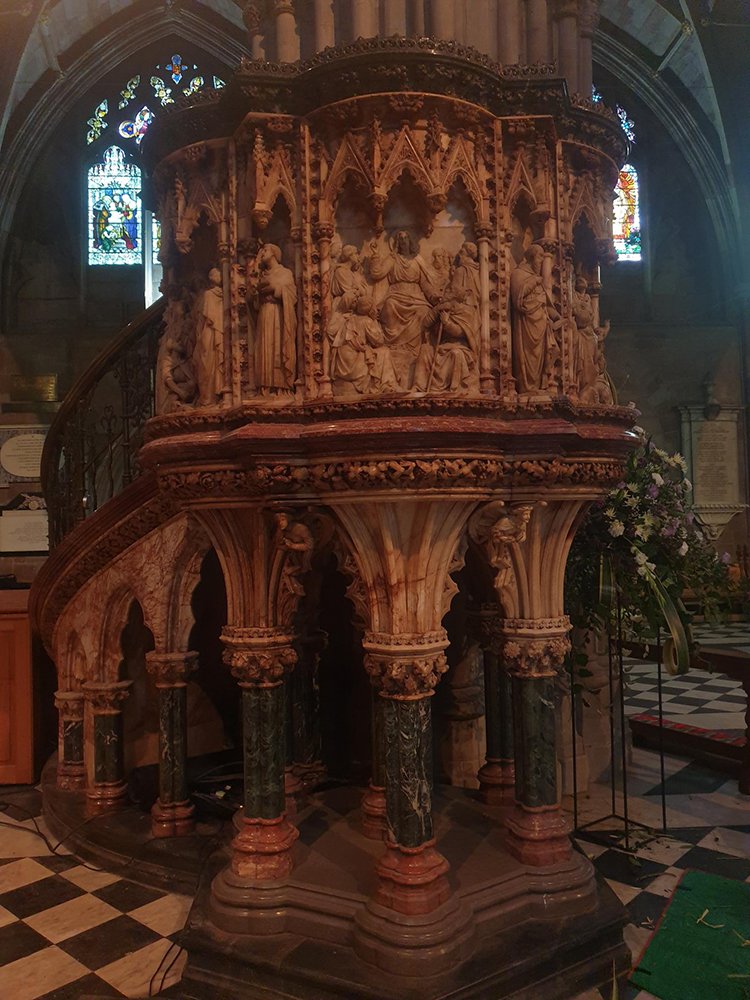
(534, 648)
(407, 666)
(258, 657)
(171, 670)
(107, 699)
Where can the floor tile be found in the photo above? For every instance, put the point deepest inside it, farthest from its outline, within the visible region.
(90, 985)
(645, 909)
(636, 938)
(86, 878)
(694, 779)
(727, 842)
(716, 863)
(20, 873)
(109, 942)
(127, 895)
(135, 973)
(623, 892)
(21, 843)
(39, 895)
(71, 918)
(664, 884)
(60, 863)
(6, 917)
(40, 973)
(165, 916)
(17, 940)
(627, 868)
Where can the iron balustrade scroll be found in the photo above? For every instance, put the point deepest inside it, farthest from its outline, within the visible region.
(91, 450)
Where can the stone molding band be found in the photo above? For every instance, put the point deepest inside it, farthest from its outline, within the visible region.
(258, 657)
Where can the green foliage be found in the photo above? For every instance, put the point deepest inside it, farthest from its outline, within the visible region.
(642, 545)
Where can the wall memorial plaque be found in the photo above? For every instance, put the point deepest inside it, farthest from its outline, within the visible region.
(21, 453)
(24, 531)
(712, 449)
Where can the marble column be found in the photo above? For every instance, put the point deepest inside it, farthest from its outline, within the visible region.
(172, 813)
(71, 769)
(108, 787)
(534, 652)
(486, 378)
(323, 233)
(509, 32)
(374, 810)
(394, 17)
(364, 18)
(588, 22)
(287, 40)
(405, 670)
(497, 776)
(304, 720)
(537, 34)
(443, 20)
(324, 25)
(260, 658)
(566, 17)
(251, 17)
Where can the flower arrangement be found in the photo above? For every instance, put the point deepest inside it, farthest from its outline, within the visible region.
(641, 548)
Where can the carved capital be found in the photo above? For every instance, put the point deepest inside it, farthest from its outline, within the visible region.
(106, 699)
(535, 647)
(406, 666)
(487, 624)
(171, 670)
(283, 7)
(565, 8)
(323, 231)
(70, 705)
(484, 231)
(258, 657)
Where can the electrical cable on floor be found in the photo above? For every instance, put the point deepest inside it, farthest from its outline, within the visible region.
(168, 969)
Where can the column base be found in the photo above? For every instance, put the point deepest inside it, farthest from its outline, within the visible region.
(311, 774)
(71, 777)
(172, 819)
(538, 837)
(261, 851)
(412, 880)
(107, 795)
(374, 818)
(497, 782)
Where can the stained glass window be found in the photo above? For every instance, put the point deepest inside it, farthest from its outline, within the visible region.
(137, 128)
(626, 224)
(127, 94)
(96, 123)
(114, 210)
(155, 239)
(627, 123)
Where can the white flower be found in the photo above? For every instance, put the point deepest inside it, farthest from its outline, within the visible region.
(610, 512)
(640, 557)
(631, 501)
(641, 571)
(643, 531)
(659, 480)
(616, 529)
(682, 551)
(631, 487)
(679, 461)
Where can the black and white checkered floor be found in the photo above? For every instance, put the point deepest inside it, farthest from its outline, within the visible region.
(68, 930)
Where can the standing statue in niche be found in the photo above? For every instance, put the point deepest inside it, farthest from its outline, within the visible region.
(535, 348)
(176, 387)
(588, 354)
(272, 305)
(208, 353)
(406, 288)
(359, 358)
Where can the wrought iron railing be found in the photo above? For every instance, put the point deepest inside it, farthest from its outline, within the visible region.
(91, 450)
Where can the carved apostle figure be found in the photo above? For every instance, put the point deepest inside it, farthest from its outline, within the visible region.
(272, 302)
(348, 280)
(588, 351)
(407, 288)
(534, 345)
(359, 358)
(296, 538)
(442, 269)
(176, 385)
(449, 364)
(208, 353)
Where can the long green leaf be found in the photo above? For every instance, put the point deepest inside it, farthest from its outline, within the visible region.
(673, 621)
(606, 585)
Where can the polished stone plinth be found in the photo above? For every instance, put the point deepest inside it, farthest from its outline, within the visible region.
(506, 930)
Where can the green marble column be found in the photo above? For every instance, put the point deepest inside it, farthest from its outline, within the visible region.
(71, 768)
(172, 813)
(374, 808)
(109, 787)
(261, 659)
(496, 776)
(407, 728)
(535, 651)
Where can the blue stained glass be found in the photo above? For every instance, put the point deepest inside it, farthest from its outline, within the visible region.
(137, 128)
(115, 214)
(218, 83)
(628, 125)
